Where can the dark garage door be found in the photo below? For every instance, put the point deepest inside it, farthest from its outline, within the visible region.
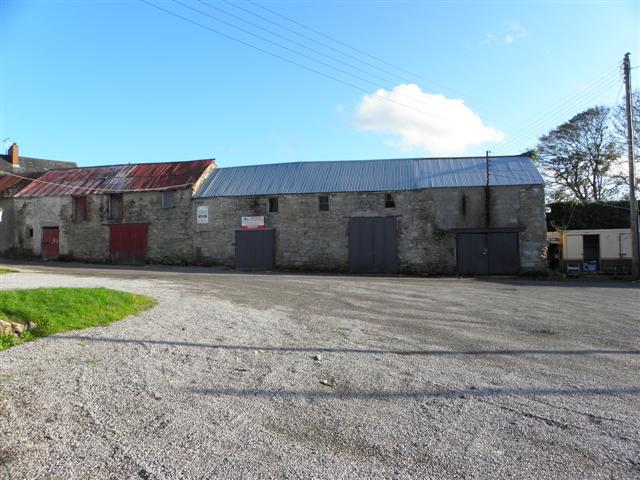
(373, 245)
(473, 258)
(254, 249)
(494, 253)
(504, 254)
(128, 243)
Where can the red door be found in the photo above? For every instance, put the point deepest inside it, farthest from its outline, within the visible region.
(50, 243)
(128, 243)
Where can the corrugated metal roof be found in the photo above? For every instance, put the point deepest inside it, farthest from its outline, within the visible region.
(367, 176)
(116, 178)
(11, 183)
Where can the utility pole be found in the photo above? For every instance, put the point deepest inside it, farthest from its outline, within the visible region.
(633, 204)
(487, 195)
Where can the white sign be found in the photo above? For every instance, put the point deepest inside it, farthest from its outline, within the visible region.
(202, 214)
(1, 214)
(249, 223)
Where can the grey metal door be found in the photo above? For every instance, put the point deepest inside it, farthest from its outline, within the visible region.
(493, 253)
(373, 245)
(254, 249)
(473, 254)
(504, 254)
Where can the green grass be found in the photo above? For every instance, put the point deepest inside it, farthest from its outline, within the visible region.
(57, 310)
(7, 270)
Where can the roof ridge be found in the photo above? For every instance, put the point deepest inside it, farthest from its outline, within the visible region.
(132, 164)
(308, 162)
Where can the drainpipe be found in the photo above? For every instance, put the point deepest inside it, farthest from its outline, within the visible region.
(487, 194)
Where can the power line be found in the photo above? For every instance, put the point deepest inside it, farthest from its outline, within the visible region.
(559, 117)
(570, 102)
(329, 47)
(294, 41)
(568, 105)
(355, 49)
(609, 118)
(367, 72)
(288, 60)
(605, 77)
(280, 45)
(570, 110)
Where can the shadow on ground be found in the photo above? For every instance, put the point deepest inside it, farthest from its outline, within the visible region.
(514, 352)
(600, 282)
(388, 395)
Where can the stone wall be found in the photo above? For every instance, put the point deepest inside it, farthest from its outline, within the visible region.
(31, 216)
(7, 226)
(169, 236)
(307, 238)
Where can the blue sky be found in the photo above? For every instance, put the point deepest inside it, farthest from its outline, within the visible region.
(101, 82)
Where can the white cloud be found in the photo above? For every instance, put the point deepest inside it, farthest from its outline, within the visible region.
(417, 120)
(514, 32)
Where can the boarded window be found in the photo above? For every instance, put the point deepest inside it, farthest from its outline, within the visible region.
(80, 209)
(168, 200)
(116, 206)
(323, 203)
(273, 205)
(389, 202)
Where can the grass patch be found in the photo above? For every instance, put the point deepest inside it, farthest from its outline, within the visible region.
(7, 270)
(57, 310)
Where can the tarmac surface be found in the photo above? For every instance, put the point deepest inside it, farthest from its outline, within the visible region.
(327, 376)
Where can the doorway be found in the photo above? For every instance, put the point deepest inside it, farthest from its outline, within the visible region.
(488, 253)
(50, 243)
(373, 245)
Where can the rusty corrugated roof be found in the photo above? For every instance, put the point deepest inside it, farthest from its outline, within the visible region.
(116, 179)
(11, 182)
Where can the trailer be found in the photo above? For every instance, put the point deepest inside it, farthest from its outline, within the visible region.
(603, 250)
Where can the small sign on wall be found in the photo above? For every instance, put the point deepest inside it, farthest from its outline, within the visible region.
(202, 214)
(249, 223)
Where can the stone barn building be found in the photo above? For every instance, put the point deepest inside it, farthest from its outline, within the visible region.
(16, 172)
(9, 186)
(428, 216)
(129, 214)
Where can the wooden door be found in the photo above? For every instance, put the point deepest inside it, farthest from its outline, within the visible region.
(128, 243)
(50, 243)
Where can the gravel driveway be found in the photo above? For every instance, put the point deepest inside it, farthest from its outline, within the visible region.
(289, 376)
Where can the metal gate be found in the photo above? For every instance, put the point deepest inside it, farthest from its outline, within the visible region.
(50, 243)
(492, 253)
(128, 243)
(373, 245)
(254, 249)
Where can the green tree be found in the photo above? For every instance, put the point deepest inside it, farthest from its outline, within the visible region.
(578, 158)
(620, 121)
(620, 132)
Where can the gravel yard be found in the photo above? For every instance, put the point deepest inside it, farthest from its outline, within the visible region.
(289, 376)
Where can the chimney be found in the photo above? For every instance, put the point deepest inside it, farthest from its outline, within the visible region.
(13, 152)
